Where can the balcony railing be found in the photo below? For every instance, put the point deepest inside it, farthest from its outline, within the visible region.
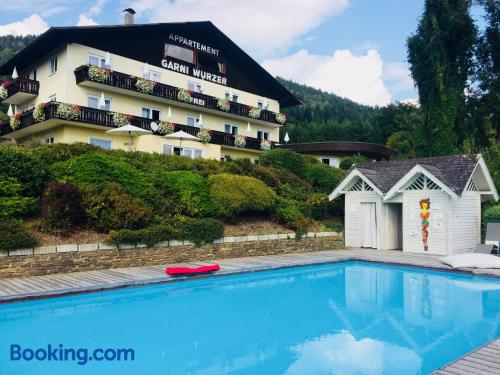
(161, 90)
(100, 117)
(22, 86)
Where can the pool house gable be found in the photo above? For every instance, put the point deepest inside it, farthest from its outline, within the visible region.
(419, 178)
(481, 181)
(355, 181)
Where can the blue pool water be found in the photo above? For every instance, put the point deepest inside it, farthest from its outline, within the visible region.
(344, 318)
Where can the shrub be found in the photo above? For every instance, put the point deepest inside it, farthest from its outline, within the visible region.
(233, 195)
(268, 176)
(491, 215)
(188, 190)
(112, 209)
(96, 170)
(290, 214)
(26, 168)
(349, 161)
(317, 206)
(335, 225)
(150, 236)
(322, 177)
(62, 207)
(15, 235)
(50, 154)
(12, 204)
(284, 159)
(201, 231)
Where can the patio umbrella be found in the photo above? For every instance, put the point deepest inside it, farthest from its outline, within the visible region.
(180, 135)
(14, 73)
(129, 130)
(107, 60)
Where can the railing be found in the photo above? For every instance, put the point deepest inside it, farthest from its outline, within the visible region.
(24, 85)
(100, 117)
(161, 90)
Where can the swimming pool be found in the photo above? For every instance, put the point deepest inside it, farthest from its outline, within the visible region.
(342, 318)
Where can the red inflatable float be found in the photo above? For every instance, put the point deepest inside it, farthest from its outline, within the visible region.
(180, 271)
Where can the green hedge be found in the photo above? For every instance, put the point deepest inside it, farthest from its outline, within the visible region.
(96, 170)
(492, 215)
(12, 204)
(323, 178)
(15, 235)
(284, 159)
(187, 190)
(150, 236)
(348, 161)
(234, 195)
(201, 231)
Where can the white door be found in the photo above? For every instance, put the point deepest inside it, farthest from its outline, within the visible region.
(368, 225)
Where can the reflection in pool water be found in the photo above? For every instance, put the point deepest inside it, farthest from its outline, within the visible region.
(345, 318)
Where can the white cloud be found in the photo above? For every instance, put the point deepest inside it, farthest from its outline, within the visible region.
(85, 21)
(358, 78)
(96, 9)
(36, 6)
(53, 11)
(33, 24)
(261, 26)
(397, 76)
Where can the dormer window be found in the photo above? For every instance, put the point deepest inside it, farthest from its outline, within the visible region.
(180, 53)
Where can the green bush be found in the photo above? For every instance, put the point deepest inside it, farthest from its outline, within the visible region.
(57, 152)
(268, 176)
(188, 191)
(62, 207)
(335, 225)
(26, 168)
(233, 195)
(284, 159)
(12, 204)
(492, 215)
(349, 161)
(317, 206)
(150, 236)
(112, 209)
(201, 231)
(15, 235)
(290, 214)
(96, 170)
(322, 177)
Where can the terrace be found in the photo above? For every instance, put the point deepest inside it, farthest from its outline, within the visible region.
(166, 93)
(21, 90)
(102, 118)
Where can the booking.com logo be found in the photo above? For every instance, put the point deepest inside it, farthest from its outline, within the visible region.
(81, 356)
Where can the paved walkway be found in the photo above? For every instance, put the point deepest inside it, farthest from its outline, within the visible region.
(59, 284)
(485, 360)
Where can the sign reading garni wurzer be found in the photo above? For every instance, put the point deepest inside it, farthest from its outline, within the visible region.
(173, 58)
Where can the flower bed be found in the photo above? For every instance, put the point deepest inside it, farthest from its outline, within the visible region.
(98, 74)
(240, 141)
(281, 118)
(68, 111)
(184, 96)
(145, 86)
(204, 135)
(165, 127)
(4, 93)
(15, 121)
(223, 105)
(39, 112)
(265, 145)
(121, 119)
(254, 113)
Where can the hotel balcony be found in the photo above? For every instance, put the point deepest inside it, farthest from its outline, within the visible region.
(99, 119)
(126, 84)
(21, 90)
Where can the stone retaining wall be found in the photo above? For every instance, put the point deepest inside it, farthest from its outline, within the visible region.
(73, 258)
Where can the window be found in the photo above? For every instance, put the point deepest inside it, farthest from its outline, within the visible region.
(53, 65)
(152, 75)
(184, 151)
(153, 114)
(179, 53)
(52, 98)
(192, 121)
(231, 129)
(332, 162)
(93, 102)
(261, 134)
(193, 86)
(103, 143)
(48, 139)
(260, 105)
(97, 60)
(232, 97)
(211, 63)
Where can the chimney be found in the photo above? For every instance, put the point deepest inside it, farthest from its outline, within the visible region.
(128, 18)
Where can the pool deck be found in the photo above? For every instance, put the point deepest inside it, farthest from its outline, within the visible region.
(485, 360)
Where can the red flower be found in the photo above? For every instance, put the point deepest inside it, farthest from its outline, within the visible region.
(17, 116)
(129, 117)
(6, 83)
(77, 107)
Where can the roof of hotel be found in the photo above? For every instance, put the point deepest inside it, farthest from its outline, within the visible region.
(143, 42)
(454, 171)
(371, 150)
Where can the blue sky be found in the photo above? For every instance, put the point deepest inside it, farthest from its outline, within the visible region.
(354, 48)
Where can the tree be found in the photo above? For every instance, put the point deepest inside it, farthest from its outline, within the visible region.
(441, 58)
(488, 67)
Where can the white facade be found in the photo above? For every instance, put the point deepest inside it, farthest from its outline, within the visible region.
(454, 221)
